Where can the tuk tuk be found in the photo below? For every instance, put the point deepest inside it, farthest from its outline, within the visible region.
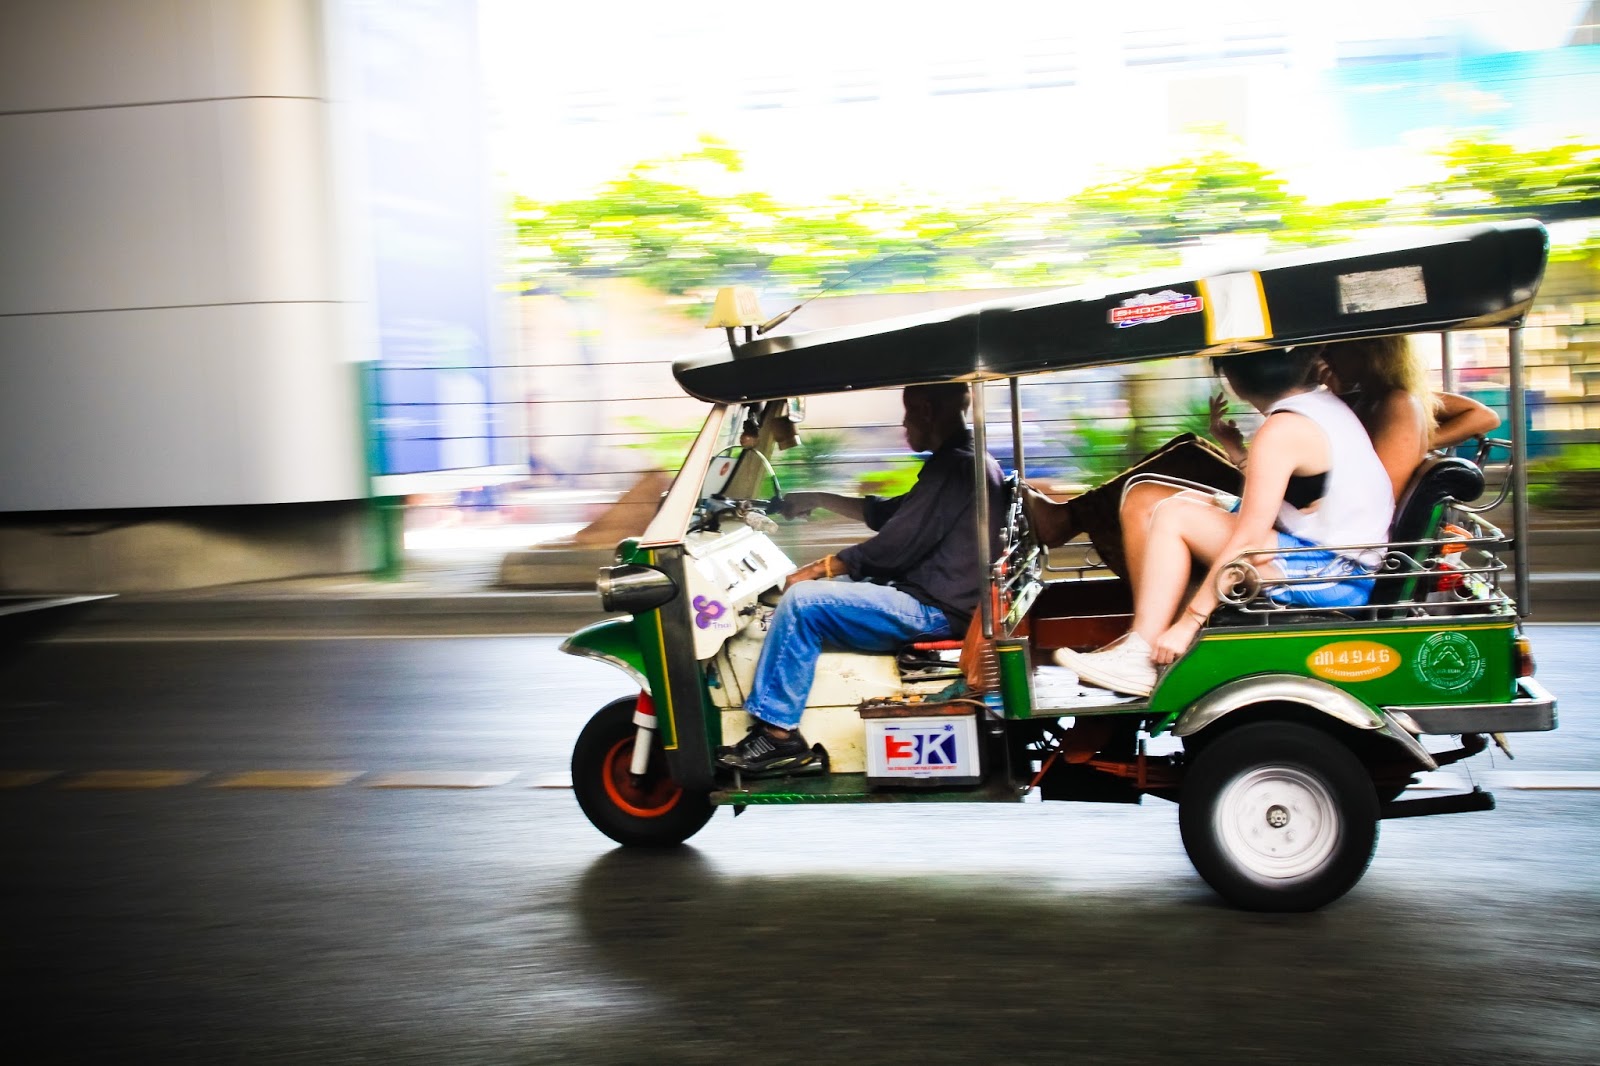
(1289, 732)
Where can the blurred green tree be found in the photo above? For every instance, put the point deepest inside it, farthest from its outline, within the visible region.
(1486, 177)
(686, 224)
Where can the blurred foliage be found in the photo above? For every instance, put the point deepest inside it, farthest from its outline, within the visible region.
(1196, 418)
(807, 465)
(686, 224)
(689, 223)
(664, 445)
(821, 461)
(1212, 193)
(1101, 449)
(893, 480)
(1569, 480)
(1487, 177)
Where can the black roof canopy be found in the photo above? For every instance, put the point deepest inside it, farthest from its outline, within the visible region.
(1462, 277)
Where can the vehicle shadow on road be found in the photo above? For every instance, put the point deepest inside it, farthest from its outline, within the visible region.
(956, 969)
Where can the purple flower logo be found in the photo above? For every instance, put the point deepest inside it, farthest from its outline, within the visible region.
(707, 611)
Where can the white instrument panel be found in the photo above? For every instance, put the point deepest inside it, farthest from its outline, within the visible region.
(726, 572)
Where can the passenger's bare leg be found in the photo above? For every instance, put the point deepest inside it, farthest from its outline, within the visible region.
(1186, 536)
(1139, 505)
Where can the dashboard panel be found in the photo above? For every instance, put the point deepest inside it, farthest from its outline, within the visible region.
(727, 572)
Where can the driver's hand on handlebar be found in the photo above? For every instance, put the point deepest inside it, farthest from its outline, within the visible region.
(800, 505)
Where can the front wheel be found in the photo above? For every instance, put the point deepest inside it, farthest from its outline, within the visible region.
(648, 811)
(1278, 816)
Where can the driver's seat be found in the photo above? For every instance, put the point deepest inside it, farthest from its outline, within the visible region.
(978, 663)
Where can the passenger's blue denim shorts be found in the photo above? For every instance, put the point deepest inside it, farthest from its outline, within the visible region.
(1337, 590)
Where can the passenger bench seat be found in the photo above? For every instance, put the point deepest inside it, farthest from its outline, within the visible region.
(1440, 481)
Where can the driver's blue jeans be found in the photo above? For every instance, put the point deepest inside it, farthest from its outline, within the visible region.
(850, 615)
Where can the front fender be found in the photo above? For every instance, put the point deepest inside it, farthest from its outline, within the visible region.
(1308, 692)
(611, 641)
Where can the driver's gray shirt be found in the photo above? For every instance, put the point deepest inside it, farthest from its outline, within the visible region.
(926, 543)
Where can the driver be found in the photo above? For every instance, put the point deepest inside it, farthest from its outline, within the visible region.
(917, 579)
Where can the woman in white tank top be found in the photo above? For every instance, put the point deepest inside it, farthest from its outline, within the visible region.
(1313, 479)
(1357, 503)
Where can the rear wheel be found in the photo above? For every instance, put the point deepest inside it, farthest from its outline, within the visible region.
(646, 811)
(1278, 816)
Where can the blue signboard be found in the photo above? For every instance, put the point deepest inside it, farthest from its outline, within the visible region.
(425, 185)
(1499, 93)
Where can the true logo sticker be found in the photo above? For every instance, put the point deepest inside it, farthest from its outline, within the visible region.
(1449, 661)
(707, 611)
(1353, 660)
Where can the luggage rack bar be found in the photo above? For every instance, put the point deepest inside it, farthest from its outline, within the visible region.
(1491, 597)
(1246, 590)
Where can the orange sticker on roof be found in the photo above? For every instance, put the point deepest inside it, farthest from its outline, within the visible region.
(1353, 660)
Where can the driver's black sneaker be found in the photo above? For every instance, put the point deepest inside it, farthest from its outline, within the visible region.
(725, 750)
(762, 753)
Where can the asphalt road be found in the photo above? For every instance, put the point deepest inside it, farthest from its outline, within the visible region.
(181, 918)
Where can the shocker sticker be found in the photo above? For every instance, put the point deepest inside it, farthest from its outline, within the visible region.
(1148, 307)
(707, 611)
(1449, 661)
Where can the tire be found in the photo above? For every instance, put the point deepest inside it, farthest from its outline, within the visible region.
(1248, 791)
(652, 813)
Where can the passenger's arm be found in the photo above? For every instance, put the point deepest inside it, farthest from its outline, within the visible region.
(800, 504)
(1460, 419)
(1225, 431)
(1282, 444)
(1398, 437)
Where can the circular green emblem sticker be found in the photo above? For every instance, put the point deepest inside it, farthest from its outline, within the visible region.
(1449, 661)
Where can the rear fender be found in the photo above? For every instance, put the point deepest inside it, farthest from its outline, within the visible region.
(1306, 692)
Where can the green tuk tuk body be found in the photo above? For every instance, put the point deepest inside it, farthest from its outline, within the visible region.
(1295, 730)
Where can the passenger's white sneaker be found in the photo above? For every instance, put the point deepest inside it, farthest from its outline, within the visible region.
(1122, 666)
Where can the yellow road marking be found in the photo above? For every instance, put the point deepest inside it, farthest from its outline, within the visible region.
(289, 779)
(439, 779)
(24, 778)
(134, 778)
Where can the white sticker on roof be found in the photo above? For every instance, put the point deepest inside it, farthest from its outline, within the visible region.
(1236, 308)
(1380, 290)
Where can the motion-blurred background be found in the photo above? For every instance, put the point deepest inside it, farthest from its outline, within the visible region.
(329, 286)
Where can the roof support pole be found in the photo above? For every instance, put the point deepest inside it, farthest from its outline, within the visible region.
(1516, 410)
(1016, 428)
(1447, 369)
(980, 485)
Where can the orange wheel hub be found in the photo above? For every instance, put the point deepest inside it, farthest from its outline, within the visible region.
(649, 797)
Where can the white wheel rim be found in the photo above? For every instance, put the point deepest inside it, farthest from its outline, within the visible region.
(1277, 824)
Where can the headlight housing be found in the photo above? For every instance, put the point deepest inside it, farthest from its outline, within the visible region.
(631, 588)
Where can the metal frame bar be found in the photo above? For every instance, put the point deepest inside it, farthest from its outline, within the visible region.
(980, 486)
(677, 507)
(1016, 428)
(1516, 409)
(1486, 539)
